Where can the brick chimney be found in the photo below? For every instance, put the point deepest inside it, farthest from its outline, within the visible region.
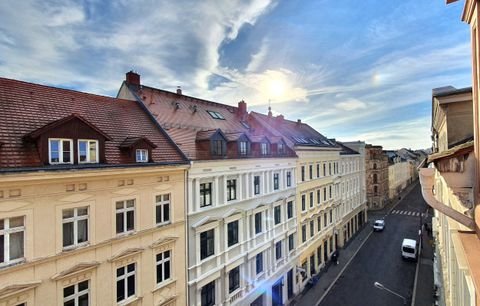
(299, 121)
(179, 90)
(132, 78)
(242, 109)
(279, 119)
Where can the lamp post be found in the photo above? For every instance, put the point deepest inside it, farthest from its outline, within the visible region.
(382, 287)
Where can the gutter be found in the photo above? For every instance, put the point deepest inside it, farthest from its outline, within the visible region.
(427, 181)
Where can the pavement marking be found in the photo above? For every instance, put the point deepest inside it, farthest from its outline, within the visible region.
(343, 269)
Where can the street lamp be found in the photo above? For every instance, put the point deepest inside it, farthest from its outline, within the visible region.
(382, 287)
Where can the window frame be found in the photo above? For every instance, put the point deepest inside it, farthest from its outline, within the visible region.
(6, 232)
(256, 184)
(231, 189)
(263, 148)
(124, 211)
(125, 278)
(208, 250)
(276, 181)
(234, 279)
(243, 147)
(289, 178)
(97, 149)
(144, 154)
(75, 220)
(205, 191)
(163, 262)
(259, 268)
(233, 233)
(77, 293)
(60, 151)
(278, 250)
(291, 242)
(259, 225)
(277, 214)
(290, 210)
(162, 204)
(209, 290)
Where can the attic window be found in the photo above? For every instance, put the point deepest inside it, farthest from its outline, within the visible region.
(60, 151)
(245, 125)
(216, 115)
(281, 148)
(141, 156)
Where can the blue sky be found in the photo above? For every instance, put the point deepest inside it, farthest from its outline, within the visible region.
(353, 72)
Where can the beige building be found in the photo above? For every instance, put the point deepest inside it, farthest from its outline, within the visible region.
(399, 176)
(451, 176)
(92, 199)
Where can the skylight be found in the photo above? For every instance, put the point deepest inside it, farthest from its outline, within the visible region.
(245, 124)
(216, 115)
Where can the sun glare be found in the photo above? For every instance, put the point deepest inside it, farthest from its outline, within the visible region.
(276, 88)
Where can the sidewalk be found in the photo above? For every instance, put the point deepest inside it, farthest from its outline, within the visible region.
(313, 295)
(424, 284)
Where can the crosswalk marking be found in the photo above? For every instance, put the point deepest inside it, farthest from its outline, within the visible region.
(407, 213)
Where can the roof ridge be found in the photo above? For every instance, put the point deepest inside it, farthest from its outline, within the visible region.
(75, 91)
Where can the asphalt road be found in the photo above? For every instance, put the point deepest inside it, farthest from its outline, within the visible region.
(379, 260)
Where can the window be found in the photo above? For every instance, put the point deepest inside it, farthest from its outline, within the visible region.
(325, 219)
(329, 168)
(312, 228)
(208, 294)
(310, 168)
(324, 194)
(303, 203)
(216, 115)
(318, 170)
(162, 209)
(375, 178)
(263, 148)
(125, 216)
(303, 173)
(276, 181)
(218, 148)
(331, 216)
(75, 227)
(277, 214)
(243, 148)
(258, 301)
(319, 255)
(163, 266)
(231, 190)
(319, 223)
(256, 184)
(232, 233)
(258, 222)
(125, 282)
(281, 148)
(318, 196)
(259, 263)
(12, 237)
(60, 151)
(289, 179)
(291, 242)
(290, 210)
(374, 166)
(234, 279)
(324, 169)
(205, 194)
(304, 233)
(88, 151)
(278, 250)
(329, 192)
(142, 156)
(311, 199)
(76, 295)
(375, 190)
(207, 244)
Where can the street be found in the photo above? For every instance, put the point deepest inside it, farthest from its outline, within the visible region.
(379, 260)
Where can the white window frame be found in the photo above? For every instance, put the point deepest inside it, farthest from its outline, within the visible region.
(263, 148)
(60, 151)
(88, 141)
(163, 203)
(143, 156)
(124, 211)
(164, 261)
(124, 277)
(6, 232)
(76, 294)
(75, 219)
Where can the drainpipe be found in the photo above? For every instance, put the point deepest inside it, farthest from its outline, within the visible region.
(427, 182)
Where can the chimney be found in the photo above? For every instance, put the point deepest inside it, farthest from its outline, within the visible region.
(299, 121)
(179, 90)
(132, 78)
(242, 108)
(279, 119)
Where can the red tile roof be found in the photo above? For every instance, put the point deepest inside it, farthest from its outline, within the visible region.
(186, 120)
(26, 108)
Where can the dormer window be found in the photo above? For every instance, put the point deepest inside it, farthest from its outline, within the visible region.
(87, 151)
(218, 147)
(264, 148)
(243, 148)
(281, 148)
(142, 156)
(60, 151)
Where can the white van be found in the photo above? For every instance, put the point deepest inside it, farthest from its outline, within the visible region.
(409, 249)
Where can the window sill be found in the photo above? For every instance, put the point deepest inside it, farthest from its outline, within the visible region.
(129, 301)
(75, 247)
(125, 234)
(163, 224)
(12, 263)
(164, 284)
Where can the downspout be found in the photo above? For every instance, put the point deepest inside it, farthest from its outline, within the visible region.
(427, 180)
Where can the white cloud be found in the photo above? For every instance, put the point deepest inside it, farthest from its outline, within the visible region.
(352, 104)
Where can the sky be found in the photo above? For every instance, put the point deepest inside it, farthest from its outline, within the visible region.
(353, 70)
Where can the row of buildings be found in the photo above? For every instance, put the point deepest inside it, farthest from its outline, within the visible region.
(450, 182)
(388, 172)
(159, 198)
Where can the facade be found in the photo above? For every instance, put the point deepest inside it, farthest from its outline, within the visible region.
(241, 208)
(92, 207)
(376, 162)
(452, 175)
(399, 174)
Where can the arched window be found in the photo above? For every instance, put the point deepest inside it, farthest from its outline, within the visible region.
(375, 166)
(375, 190)
(374, 178)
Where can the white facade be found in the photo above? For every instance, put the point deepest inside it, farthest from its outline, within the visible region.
(264, 224)
(399, 176)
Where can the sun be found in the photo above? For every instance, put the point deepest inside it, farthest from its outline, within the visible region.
(276, 87)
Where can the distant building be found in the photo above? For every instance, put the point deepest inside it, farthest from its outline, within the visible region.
(91, 201)
(399, 174)
(448, 186)
(376, 162)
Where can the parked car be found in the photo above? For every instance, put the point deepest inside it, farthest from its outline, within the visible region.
(409, 249)
(379, 225)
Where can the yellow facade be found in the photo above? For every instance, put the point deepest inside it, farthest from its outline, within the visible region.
(45, 199)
